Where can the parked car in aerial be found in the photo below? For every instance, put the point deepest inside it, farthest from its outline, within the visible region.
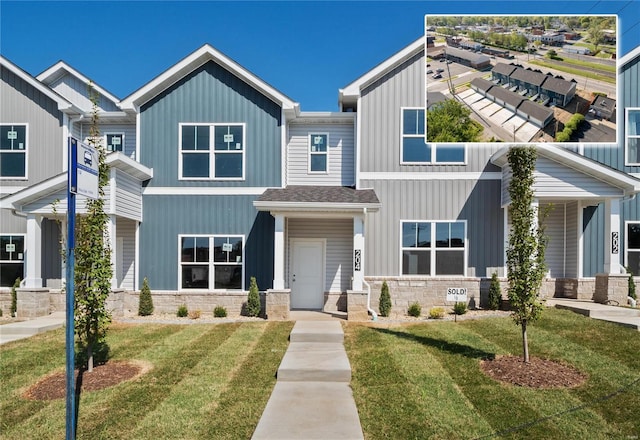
(429, 71)
(439, 70)
(437, 76)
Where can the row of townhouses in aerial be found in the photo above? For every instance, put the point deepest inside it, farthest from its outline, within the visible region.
(217, 177)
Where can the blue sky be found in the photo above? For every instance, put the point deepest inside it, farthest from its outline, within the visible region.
(307, 50)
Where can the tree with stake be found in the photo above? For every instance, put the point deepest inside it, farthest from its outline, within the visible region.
(93, 271)
(527, 243)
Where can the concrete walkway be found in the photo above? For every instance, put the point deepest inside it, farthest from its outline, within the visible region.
(23, 329)
(312, 398)
(620, 315)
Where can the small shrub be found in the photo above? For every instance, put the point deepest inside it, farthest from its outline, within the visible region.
(384, 306)
(495, 294)
(220, 312)
(14, 298)
(182, 311)
(0, 313)
(414, 309)
(632, 285)
(460, 308)
(145, 306)
(253, 300)
(436, 313)
(195, 314)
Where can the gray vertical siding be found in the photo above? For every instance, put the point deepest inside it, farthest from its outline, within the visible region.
(477, 202)
(340, 155)
(21, 103)
(12, 224)
(212, 94)
(81, 132)
(75, 90)
(339, 248)
(126, 230)
(165, 217)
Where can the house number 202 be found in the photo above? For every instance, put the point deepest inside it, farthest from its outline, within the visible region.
(615, 242)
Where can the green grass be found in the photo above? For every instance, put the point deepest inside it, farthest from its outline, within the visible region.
(424, 381)
(575, 71)
(596, 66)
(206, 381)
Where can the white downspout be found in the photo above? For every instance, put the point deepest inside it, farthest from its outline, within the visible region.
(374, 315)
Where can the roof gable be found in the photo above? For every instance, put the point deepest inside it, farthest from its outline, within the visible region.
(193, 61)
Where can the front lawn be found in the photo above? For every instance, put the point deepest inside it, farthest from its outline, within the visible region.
(424, 381)
(205, 381)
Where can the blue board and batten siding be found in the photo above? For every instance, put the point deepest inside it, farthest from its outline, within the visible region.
(614, 157)
(210, 94)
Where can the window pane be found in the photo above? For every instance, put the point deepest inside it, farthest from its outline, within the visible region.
(449, 262)
(227, 249)
(228, 277)
(12, 165)
(408, 235)
(187, 250)
(633, 258)
(424, 234)
(188, 137)
(195, 277)
(13, 137)
(633, 147)
(318, 143)
(228, 138)
(414, 149)
(202, 249)
(416, 235)
(319, 162)
(410, 122)
(416, 262)
(633, 235)
(457, 235)
(450, 153)
(633, 124)
(9, 272)
(202, 138)
(114, 142)
(195, 165)
(228, 165)
(442, 234)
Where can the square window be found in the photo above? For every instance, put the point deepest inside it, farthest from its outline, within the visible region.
(632, 139)
(13, 151)
(11, 259)
(212, 151)
(415, 149)
(419, 257)
(115, 142)
(199, 260)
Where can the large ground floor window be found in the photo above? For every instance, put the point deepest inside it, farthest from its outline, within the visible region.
(633, 248)
(11, 259)
(211, 262)
(433, 248)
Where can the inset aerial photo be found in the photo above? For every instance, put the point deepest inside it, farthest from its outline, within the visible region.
(521, 79)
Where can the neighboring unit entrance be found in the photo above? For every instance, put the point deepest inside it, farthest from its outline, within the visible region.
(306, 278)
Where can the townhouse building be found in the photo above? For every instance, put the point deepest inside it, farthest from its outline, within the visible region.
(217, 177)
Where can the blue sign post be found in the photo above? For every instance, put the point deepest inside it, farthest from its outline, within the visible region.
(82, 179)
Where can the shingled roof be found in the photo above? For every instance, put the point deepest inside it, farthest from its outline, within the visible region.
(318, 198)
(529, 76)
(504, 69)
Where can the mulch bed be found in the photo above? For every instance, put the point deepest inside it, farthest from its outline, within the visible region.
(538, 373)
(103, 376)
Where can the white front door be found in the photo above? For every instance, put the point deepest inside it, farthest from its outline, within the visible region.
(306, 277)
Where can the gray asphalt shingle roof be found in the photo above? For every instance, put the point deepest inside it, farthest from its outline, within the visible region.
(320, 194)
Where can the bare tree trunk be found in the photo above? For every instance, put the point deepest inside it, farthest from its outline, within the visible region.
(89, 358)
(525, 343)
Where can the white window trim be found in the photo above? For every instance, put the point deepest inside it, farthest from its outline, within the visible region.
(433, 249)
(626, 240)
(211, 151)
(434, 146)
(627, 136)
(309, 153)
(26, 152)
(112, 133)
(24, 260)
(211, 264)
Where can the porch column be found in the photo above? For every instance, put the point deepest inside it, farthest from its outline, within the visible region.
(612, 236)
(358, 253)
(278, 252)
(111, 236)
(33, 257)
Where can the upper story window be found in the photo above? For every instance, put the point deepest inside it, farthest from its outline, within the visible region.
(318, 152)
(211, 262)
(433, 248)
(13, 151)
(414, 148)
(115, 141)
(632, 136)
(212, 151)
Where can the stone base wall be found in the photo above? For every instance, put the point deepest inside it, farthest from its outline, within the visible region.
(335, 302)
(5, 302)
(32, 302)
(168, 302)
(277, 304)
(357, 306)
(611, 288)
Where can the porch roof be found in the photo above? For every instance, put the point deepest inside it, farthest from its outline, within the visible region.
(317, 198)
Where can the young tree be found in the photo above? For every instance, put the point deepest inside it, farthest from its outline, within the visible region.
(93, 269)
(449, 121)
(384, 305)
(145, 306)
(253, 300)
(527, 243)
(495, 294)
